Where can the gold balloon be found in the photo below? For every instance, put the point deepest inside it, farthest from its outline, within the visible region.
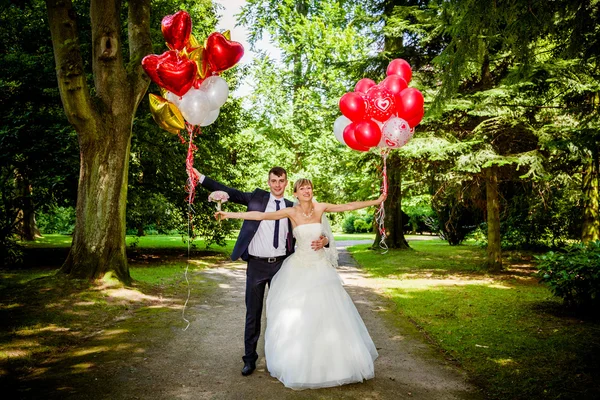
(193, 43)
(166, 114)
(199, 56)
(227, 34)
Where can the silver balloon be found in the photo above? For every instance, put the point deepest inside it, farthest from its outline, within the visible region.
(211, 117)
(173, 98)
(195, 106)
(338, 128)
(216, 90)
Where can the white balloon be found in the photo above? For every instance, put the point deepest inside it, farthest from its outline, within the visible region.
(194, 106)
(173, 98)
(338, 128)
(216, 90)
(395, 133)
(211, 117)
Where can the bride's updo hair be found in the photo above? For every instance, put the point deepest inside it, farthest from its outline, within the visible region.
(302, 182)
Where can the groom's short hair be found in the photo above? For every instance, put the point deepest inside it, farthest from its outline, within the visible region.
(278, 171)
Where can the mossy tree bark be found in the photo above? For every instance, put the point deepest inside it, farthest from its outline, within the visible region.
(394, 223)
(591, 205)
(103, 122)
(494, 250)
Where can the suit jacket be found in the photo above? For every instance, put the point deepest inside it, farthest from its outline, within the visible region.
(254, 201)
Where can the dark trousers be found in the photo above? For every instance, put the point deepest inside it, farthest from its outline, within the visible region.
(258, 274)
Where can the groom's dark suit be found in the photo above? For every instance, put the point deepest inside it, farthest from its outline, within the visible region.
(260, 271)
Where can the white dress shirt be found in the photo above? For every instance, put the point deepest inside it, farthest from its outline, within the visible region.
(262, 242)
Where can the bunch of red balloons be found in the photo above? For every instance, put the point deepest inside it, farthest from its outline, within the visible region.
(380, 115)
(188, 74)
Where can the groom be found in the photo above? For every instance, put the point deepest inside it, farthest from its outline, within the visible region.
(263, 245)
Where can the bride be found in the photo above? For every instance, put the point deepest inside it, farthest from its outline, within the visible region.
(315, 337)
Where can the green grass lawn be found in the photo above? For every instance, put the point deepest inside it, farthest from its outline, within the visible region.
(507, 331)
(146, 242)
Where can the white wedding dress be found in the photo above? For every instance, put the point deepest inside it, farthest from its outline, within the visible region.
(315, 337)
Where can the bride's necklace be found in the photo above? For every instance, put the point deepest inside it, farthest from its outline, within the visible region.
(312, 210)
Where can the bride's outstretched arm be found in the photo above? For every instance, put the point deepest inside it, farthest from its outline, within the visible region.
(355, 205)
(254, 215)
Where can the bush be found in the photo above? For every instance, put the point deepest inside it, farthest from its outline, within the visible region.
(348, 224)
(574, 274)
(354, 223)
(361, 226)
(57, 220)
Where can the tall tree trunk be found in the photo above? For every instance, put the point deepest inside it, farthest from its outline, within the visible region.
(394, 223)
(27, 227)
(591, 210)
(494, 251)
(99, 237)
(103, 124)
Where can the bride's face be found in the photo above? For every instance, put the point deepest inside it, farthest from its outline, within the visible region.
(304, 192)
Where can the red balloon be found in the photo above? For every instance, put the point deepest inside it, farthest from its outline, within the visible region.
(363, 85)
(221, 53)
(395, 84)
(176, 29)
(350, 138)
(411, 104)
(367, 133)
(401, 68)
(150, 64)
(414, 121)
(353, 106)
(381, 103)
(171, 72)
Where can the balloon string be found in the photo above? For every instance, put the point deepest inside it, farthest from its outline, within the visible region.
(380, 214)
(190, 188)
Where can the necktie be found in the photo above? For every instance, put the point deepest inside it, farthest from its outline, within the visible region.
(276, 235)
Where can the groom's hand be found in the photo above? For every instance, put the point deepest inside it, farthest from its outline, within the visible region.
(319, 243)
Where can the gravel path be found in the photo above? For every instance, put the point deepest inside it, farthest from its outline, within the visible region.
(204, 362)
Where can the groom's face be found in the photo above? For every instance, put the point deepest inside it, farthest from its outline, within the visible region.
(277, 184)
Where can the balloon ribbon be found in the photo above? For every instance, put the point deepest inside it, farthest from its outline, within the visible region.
(190, 188)
(380, 214)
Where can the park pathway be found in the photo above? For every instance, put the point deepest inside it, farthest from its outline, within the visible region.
(204, 361)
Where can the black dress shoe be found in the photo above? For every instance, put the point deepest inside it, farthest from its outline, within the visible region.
(248, 368)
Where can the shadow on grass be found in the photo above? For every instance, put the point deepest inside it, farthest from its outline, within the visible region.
(55, 332)
(509, 338)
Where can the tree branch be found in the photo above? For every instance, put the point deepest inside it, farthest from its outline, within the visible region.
(140, 45)
(73, 88)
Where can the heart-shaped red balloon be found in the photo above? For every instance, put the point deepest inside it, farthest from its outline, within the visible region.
(382, 104)
(350, 138)
(176, 29)
(150, 64)
(221, 53)
(171, 72)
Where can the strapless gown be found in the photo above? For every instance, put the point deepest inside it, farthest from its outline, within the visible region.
(315, 337)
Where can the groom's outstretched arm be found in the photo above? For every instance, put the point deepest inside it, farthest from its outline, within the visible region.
(235, 195)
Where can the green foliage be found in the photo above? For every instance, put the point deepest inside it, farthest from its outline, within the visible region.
(57, 220)
(361, 226)
(357, 223)
(573, 275)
